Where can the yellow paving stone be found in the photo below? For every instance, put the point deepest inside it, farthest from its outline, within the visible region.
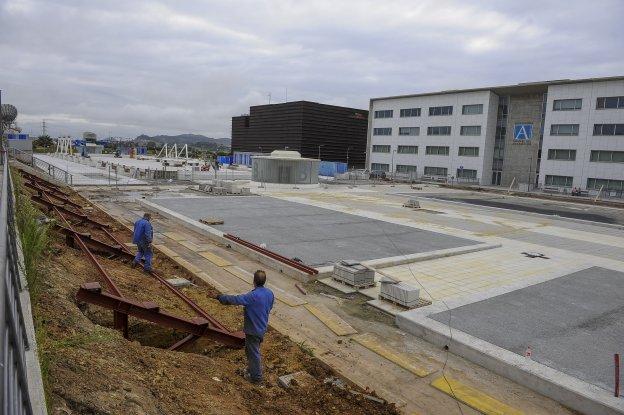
(331, 319)
(473, 397)
(166, 251)
(214, 283)
(215, 259)
(175, 236)
(400, 359)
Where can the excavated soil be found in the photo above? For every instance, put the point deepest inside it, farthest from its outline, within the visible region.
(91, 369)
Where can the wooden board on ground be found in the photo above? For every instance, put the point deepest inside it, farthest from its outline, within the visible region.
(215, 259)
(281, 295)
(175, 236)
(331, 319)
(190, 245)
(187, 265)
(408, 363)
(473, 397)
(166, 251)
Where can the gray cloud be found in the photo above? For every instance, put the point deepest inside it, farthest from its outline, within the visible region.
(124, 68)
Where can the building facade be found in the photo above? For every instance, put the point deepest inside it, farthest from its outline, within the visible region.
(315, 130)
(554, 134)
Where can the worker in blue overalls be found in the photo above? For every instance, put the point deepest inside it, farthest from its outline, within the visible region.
(143, 236)
(258, 304)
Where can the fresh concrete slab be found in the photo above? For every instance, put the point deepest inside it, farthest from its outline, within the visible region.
(315, 235)
(574, 323)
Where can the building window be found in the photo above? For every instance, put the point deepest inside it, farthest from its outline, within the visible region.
(607, 156)
(567, 104)
(410, 112)
(564, 129)
(381, 149)
(409, 130)
(472, 109)
(437, 150)
(468, 151)
(466, 174)
(383, 114)
(446, 130)
(609, 103)
(605, 184)
(407, 150)
(382, 131)
(405, 168)
(436, 171)
(561, 154)
(470, 130)
(560, 181)
(380, 166)
(608, 129)
(446, 110)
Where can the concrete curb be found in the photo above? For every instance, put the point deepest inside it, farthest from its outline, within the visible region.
(569, 391)
(217, 236)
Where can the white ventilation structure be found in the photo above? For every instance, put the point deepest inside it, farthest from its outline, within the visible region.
(353, 273)
(399, 292)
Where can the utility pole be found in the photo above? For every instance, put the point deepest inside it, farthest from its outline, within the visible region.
(269, 95)
(529, 174)
(319, 155)
(348, 148)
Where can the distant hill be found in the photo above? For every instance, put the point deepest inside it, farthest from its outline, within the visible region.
(195, 139)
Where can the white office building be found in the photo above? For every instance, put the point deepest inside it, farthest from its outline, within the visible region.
(554, 135)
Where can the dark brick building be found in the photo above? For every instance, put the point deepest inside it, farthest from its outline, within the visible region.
(304, 126)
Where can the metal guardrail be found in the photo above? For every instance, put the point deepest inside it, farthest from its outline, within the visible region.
(56, 172)
(14, 394)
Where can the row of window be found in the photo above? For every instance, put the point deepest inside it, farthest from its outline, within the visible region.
(474, 130)
(471, 109)
(603, 156)
(429, 150)
(469, 174)
(599, 129)
(592, 183)
(576, 104)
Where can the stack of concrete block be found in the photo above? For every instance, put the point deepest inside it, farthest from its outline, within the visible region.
(354, 274)
(399, 292)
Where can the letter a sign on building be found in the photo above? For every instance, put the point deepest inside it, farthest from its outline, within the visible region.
(523, 132)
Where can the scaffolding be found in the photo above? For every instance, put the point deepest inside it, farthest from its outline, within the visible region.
(172, 152)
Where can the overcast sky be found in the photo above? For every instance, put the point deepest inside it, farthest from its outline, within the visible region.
(132, 67)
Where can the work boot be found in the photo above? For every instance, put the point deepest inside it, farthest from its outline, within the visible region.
(248, 377)
(133, 264)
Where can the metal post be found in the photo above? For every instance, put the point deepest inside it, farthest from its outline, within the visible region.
(4, 269)
(616, 358)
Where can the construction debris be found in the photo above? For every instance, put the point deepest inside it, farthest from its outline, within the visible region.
(302, 379)
(211, 221)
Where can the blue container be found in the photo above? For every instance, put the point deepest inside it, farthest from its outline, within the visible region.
(331, 168)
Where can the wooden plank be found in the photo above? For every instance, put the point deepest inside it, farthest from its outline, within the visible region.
(175, 236)
(190, 245)
(163, 249)
(187, 265)
(473, 397)
(280, 295)
(215, 259)
(400, 359)
(331, 319)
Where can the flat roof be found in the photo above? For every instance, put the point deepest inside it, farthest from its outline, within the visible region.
(521, 88)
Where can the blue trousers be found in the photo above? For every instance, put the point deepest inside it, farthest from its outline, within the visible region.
(252, 351)
(144, 251)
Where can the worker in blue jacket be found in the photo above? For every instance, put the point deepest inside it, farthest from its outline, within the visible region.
(258, 304)
(143, 236)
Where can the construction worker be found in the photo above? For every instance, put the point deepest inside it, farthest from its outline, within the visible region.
(258, 304)
(143, 236)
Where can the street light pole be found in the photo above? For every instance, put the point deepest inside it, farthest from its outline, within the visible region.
(392, 164)
(348, 148)
(319, 153)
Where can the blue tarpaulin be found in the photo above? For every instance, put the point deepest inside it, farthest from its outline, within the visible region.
(331, 168)
(224, 159)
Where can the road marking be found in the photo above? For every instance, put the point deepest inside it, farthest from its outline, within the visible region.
(331, 319)
(474, 398)
(400, 359)
(174, 235)
(190, 245)
(166, 251)
(215, 259)
(281, 295)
